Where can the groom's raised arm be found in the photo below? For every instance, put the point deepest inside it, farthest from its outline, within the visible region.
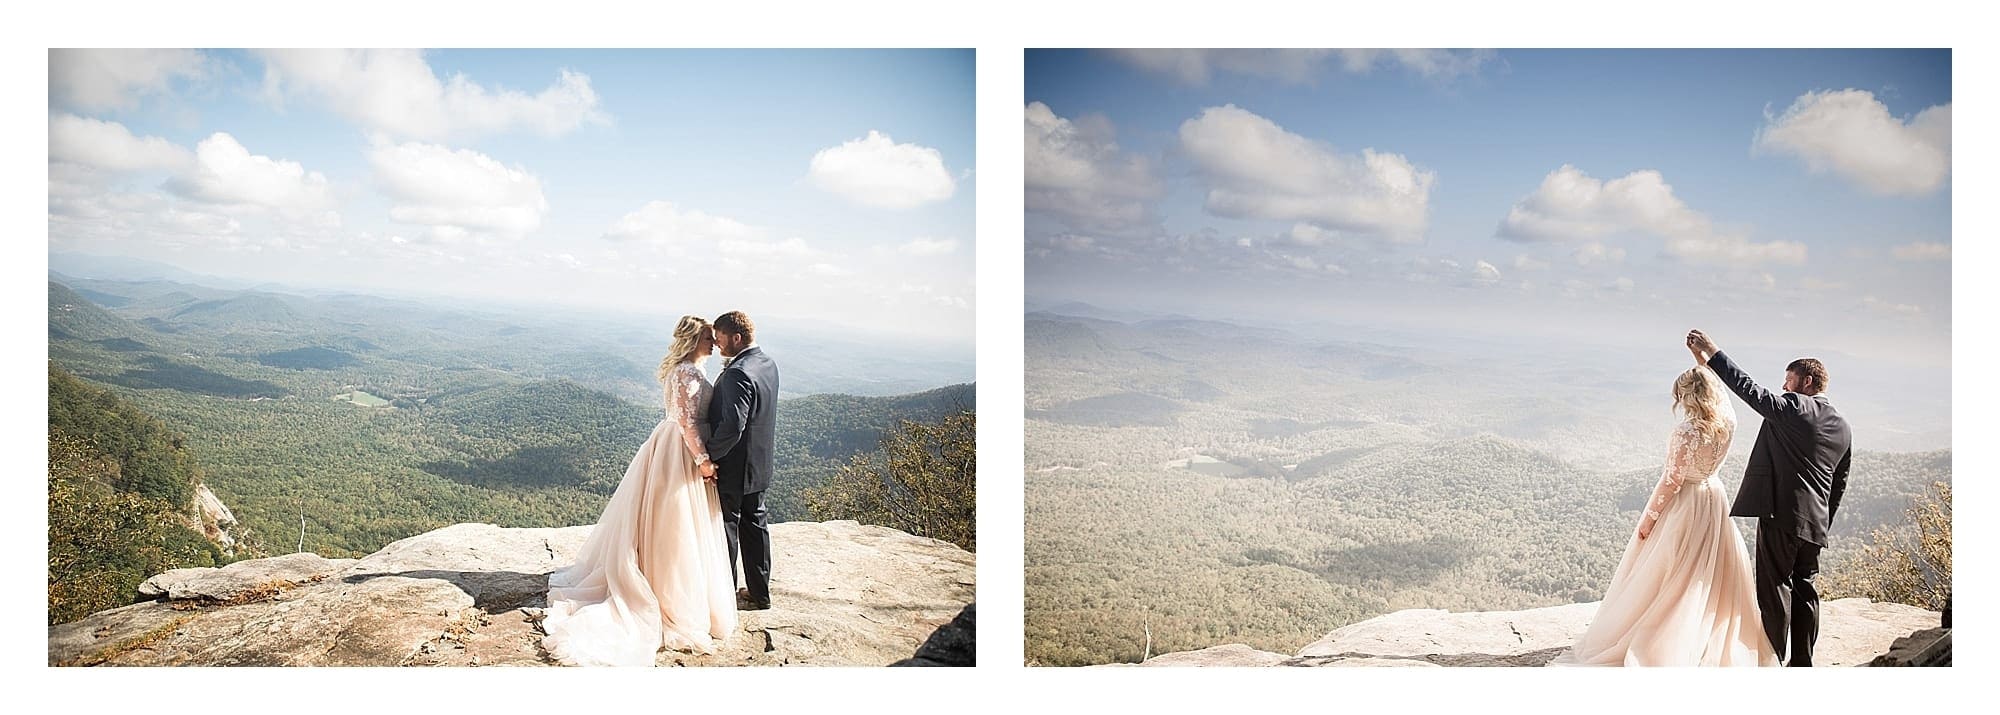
(729, 411)
(1768, 405)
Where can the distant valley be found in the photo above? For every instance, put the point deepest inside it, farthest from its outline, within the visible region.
(1204, 483)
(338, 423)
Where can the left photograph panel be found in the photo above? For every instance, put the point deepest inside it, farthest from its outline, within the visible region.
(511, 357)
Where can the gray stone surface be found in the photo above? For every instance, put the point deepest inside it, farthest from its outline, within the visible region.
(1853, 631)
(470, 594)
(243, 579)
(1232, 655)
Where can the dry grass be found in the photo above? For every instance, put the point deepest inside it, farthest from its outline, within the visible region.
(138, 642)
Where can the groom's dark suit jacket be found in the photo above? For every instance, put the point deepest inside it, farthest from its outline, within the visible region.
(1798, 467)
(744, 412)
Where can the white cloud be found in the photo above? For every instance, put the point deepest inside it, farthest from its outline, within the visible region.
(1484, 272)
(457, 193)
(1923, 251)
(1622, 285)
(1727, 249)
(679, 232)
(1296, 66)
(928, 247)
(97, 80)
(207, 196)
(1076, 173)
(1434, 270)
(1817, 285)
(876, 171)
(661, 222)
(1523, 263)
(1595, 253)
(109, 145)
(794, 247)
(123, 219)
(225, 173)
(828, 270)
(1852, 134)
(1891, 307)
(1435, 64)
(1257, 169)
(395, 91)
(1572, 206)
(1305, 234)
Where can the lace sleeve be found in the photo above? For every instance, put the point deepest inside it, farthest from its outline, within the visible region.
(683, 389)
(1681, 452)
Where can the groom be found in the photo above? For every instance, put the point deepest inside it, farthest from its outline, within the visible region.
(744, 412)
(1796, 474)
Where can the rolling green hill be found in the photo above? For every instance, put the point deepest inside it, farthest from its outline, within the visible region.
(486, 420)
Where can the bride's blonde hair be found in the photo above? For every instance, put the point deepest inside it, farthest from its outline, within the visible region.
(687, 334)
(1698, 396)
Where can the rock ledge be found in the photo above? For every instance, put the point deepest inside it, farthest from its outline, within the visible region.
(470, 594)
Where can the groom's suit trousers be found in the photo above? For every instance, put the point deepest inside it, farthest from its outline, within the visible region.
(746, 523)
(1786, 597)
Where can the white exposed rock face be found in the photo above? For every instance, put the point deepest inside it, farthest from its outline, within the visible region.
(470, 594)
(1852, 632)
(216, 519)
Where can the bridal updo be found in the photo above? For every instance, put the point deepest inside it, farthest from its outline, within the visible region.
(1698, 394)
(687, 335)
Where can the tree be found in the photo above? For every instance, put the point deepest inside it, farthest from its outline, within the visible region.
(103, 541)
(1910, 565)
(922, 482)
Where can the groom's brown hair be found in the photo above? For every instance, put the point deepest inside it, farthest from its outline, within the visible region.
(736, 323)
(1813, 371)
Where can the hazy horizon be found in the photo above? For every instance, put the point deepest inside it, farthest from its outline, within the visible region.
(624, 316)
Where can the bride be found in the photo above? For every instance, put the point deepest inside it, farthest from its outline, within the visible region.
(1683, 593)
(655, 571)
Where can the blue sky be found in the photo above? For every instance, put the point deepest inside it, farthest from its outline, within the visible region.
(825, 185)
(1797, 197)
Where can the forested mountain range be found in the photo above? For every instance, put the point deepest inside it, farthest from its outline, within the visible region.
(1209, 483)
(337, 424)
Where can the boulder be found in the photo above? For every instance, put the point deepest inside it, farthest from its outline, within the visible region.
(951, 645)
(243, 580)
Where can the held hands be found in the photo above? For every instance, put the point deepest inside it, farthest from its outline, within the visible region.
(1702, 347)
(707, 470)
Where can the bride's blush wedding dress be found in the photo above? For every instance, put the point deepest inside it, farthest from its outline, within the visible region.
(1683, 595)
(655, 570)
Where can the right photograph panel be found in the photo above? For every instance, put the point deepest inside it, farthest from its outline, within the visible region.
(1360, 357)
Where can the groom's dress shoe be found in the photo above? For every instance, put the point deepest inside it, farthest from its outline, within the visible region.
(745, 603)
